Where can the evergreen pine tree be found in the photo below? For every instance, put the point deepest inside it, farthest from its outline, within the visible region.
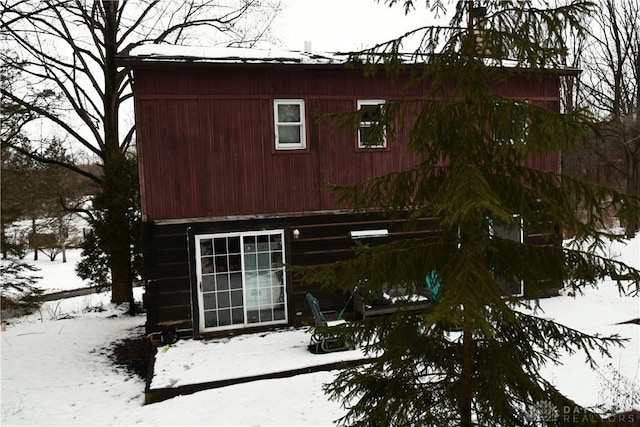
(475, 356)
(18, 293)
(95, 262)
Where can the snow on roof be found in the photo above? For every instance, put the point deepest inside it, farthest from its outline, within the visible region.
(164, 53)
(230, 55)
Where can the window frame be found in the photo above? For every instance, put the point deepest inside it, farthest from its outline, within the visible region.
(280, 146)
(361, 144)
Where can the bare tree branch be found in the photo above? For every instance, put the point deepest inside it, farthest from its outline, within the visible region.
(69, 48)
(610, 88)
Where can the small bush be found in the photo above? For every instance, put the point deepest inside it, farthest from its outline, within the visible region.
(18, 294)
(618, 392)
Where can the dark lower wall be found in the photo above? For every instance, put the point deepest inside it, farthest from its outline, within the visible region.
(169, 272)
(167, 277)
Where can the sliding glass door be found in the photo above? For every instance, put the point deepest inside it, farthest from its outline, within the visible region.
(241, 279)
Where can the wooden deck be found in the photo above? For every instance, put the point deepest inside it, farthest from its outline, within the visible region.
(161, 394)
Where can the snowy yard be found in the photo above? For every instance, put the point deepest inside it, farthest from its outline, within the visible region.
(56, 368)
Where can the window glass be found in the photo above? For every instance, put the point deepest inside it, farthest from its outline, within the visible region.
(220, 245)
(235, 279)
(250, 262)
(210, 301)
(208, 283)
(370, 113)
(221, 263)
(514, 232)
(206, 248)
(222, 282)
(263, 243)
(237, 315)
(365, 138)
(207, 264)
(511, 124)
(224, 317)
(288, 113)
(289, 134)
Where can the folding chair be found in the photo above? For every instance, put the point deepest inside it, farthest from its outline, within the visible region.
(318, 342)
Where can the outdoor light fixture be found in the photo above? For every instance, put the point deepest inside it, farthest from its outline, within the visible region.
(366, 234)
(296, 234)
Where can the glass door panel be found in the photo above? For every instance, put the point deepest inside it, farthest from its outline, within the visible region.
(242, 280)
(264, 279)
(222, 304)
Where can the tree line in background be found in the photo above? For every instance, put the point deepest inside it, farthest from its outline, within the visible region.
(609, 86)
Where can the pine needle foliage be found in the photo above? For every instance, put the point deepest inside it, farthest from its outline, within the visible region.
(18, 293)
(475, 356)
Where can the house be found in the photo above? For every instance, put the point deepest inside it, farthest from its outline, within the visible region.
(232, 165)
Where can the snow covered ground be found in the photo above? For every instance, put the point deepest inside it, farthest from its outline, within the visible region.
(56, 275)
(56, 368)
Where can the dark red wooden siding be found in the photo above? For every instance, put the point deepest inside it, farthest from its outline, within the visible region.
(206, 137)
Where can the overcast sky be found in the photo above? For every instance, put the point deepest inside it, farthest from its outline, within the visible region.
(342, 25)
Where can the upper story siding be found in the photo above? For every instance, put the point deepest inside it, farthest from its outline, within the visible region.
(206, 134)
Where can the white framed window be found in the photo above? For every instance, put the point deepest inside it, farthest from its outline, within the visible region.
(369, 134)
(516, 130)
(289, 124)
(241, 279)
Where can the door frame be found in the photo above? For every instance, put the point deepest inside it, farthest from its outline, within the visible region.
(199, 300)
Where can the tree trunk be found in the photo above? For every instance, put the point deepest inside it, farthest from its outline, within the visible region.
(33, 239)
(4, 241)
(63, 234)
(120, 265)
(632, 188)
(466, 376)
(132, 302)
(119, 239)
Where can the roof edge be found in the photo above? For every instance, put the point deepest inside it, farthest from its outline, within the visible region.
(142, 56)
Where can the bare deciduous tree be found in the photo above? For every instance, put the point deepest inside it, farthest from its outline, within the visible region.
(609, 85)
(611, 59)
(69, 48)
